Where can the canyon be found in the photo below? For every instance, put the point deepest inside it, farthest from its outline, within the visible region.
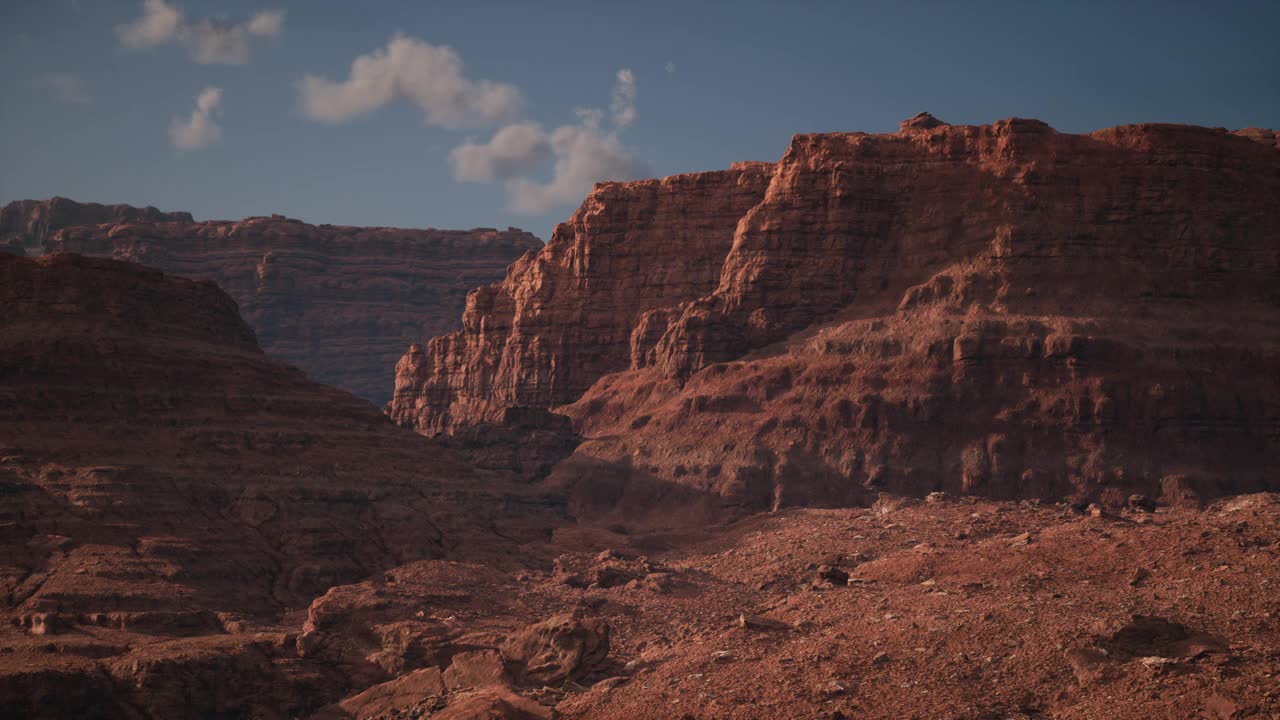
(339, 302)
(955, 421)
(999, 310)
(171, 494)
(192, 529)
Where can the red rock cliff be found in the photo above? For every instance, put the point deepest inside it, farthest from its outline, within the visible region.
(563, 317)
(339, 302)
(1000, 309)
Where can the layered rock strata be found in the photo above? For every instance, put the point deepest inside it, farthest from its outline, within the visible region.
(30, 223)
(339, 302)
(564, 316)
(1001, 309)
(171, 497)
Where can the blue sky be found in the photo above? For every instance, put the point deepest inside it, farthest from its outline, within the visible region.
(83, 114)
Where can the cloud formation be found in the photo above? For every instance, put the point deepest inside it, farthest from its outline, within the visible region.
(210, 41)
(68, 88)
(428, 76)
(514, 150)
(199, 129)
(585, 153)
(624, 99)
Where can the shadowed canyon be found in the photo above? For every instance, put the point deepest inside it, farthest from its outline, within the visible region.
(958, 421)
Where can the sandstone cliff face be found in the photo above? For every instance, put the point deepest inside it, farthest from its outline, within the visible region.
(563, 317)
(339, 302)
(169, 494)
(1002, 310)
(1065, 223)
(30, 222)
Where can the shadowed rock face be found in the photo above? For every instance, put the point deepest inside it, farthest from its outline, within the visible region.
(1001, 309)
(162, 478)
(28, 223)
(339, 302)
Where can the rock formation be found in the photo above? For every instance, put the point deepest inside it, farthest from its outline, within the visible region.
(563, 317)
(30, 223)
(339, 302)
(1002, 310)
(169, 495)
(1266, 136)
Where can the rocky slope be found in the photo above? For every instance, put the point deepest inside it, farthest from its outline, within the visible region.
(1001, 310)
(954, 608)
(339, 302)
(30, 223)
(171, 499)
(949, 608)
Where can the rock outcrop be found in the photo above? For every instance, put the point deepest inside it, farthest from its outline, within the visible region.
(1266, 136)
(339, 302)
(30, 223)
(171, 497)
(1002, 310)
(564, 316)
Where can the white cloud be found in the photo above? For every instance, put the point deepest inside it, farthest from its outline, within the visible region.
(428, 76)
(209, 40)
(585, 153)
(267, 23)
(671, 67)
(514, 150)
(624, 99)
(199, 129)
(158, 25)
(68, 88)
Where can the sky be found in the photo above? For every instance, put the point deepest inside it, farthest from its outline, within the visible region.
(490, 114)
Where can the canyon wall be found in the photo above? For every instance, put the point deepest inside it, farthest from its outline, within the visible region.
(1003, 310)
(563, 317)
(341, 303)
(171, 497)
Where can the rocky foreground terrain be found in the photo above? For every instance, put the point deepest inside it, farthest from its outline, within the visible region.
(339, 302)
(954, 422)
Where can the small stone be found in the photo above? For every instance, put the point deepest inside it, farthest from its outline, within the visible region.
(722, 656)
(1139, 576)
(1221, 707)
(936, 497)
(881, 658)
(759, 622)
(1023, 539)
(1141, 503)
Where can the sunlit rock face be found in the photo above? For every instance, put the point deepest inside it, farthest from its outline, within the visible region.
(1001, 309)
